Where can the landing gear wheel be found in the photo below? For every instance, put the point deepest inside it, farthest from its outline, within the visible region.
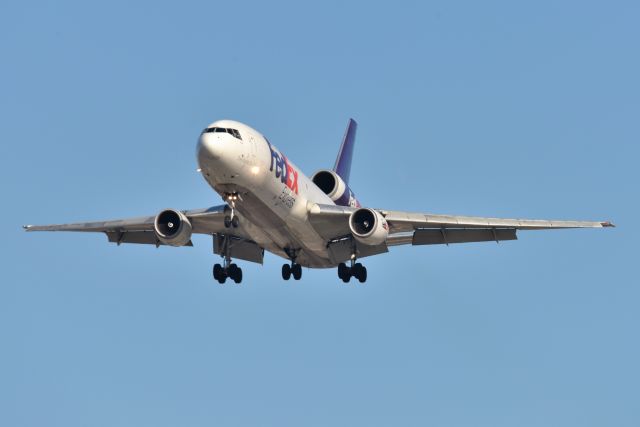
(343, 270)
(345, 278)
(227, 221)
(286, 271)
(235, 273)
(231, 270)
(360, 272)
(235, 222)
(217, 272)
(222, 277)
(357, 270)
(296, 270)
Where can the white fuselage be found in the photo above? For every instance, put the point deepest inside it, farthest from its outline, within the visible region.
(274, 195)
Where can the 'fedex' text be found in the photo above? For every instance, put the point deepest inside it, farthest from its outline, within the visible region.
(283, 170)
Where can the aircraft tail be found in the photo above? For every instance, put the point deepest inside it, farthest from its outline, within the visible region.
(345, 155)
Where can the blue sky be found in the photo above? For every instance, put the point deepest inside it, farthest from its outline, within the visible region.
(478, 108)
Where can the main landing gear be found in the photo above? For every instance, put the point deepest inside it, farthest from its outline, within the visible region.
(231, 220)
(356, 270)
(294, 270)
(227, 269)
(230, 270)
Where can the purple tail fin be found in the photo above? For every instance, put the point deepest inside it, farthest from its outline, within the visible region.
(343, 161)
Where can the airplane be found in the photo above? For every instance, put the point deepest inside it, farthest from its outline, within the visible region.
(312, 222)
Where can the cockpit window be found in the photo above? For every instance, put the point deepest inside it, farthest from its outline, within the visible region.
(232, 132)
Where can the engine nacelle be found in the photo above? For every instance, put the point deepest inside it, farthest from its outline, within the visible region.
(172, 228)
(334, 187)
(368, 226)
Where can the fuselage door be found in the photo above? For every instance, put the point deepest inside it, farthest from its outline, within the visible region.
(253, 149)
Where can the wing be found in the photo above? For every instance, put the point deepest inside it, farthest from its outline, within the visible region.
(331, 222)
(141, 230)
(204, 221)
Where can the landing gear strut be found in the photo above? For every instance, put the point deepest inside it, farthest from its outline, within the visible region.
(231, 220)
(227, 269)
(356, 270)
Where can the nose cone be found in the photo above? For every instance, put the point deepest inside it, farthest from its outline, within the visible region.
(209, 147)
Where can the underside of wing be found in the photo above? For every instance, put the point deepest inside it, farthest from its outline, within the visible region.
(332, 223)
(142, 229)
(407, 221)
(142, 223)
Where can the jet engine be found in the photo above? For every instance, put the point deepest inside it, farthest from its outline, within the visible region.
(368, 226)
(172, 228)
(334, 187)
(329, 182)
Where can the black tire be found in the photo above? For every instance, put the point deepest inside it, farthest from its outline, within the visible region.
(235, 221)
(355, 270)
(217, 271)
(343, 270)
(362, 274)
(346, 277)
(296, 270)
(232, 271)
(286, 271)
(222, 278)
(237, 277)
(227, 221)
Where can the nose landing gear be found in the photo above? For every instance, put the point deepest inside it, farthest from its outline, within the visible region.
(231, 220)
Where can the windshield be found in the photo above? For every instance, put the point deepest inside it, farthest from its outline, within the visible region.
(232, 132)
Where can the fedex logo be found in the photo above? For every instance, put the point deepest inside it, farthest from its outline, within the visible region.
(283, 170)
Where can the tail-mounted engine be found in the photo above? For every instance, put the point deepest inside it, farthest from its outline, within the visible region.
(368, 226)
(172, 228)
(334, 187)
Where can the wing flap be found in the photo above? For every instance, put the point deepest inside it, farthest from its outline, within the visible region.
(139, 237)
(466, 235)
(340, 250)
(238, 248)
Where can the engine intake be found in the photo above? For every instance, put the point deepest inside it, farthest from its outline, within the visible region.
(368, 226)
(172, 228)
(330, 183)
(334, 187)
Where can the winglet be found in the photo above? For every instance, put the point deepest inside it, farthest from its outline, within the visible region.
(607, 224)
(345, 155)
